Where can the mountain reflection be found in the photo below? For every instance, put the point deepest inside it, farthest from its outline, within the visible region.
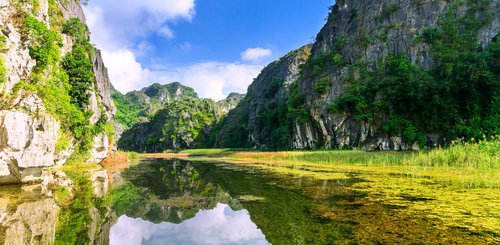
(221, 225)
(165, 201)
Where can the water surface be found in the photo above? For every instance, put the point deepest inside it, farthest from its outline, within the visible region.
(172, 201)
(186, 202)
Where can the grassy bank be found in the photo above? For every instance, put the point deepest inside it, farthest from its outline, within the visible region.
(474, 164)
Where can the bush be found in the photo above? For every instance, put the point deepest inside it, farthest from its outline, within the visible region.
(76, 29)
(45, 48)
(460, 97)
(81, 76)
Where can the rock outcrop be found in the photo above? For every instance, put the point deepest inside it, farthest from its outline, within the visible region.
(292, 106)
(255, 120)
(184, 122)
(370, 32)
(30, 132)
(138, 106)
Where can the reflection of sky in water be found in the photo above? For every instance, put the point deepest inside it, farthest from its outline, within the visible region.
(220, 225)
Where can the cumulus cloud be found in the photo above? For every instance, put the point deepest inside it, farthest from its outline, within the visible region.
(220, 225)
(166, 32)
(121, 29)
(210, 79)
(124, 71)
(256, 54)
(117, 24)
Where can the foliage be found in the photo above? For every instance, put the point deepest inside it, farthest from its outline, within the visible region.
(79, 31)
(480, 154)
(458, 98)
(296, 105)
(62, 85)
(233, 130)
(322, 84)
(3, 70)
(127, 112)
(183, 123)
(56, 16)
(45, 42)
(81, 77)
(126, 199)
(74, 219)
(390, 9)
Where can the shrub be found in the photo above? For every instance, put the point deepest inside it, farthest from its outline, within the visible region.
(45, 48)
(81, 76)
(76, 29)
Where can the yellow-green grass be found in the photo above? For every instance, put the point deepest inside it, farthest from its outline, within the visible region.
(455, 189)
(474, 164)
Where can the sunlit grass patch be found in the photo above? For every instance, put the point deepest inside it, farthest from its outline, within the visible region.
(473, 164)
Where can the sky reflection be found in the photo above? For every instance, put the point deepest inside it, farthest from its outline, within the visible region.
(220, 225)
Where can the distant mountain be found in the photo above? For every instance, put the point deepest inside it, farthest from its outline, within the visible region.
(170, 116)
(137, 106)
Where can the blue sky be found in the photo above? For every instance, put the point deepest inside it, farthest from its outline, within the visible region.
(214, 46)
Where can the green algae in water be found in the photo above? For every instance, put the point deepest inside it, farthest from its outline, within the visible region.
(294, 207)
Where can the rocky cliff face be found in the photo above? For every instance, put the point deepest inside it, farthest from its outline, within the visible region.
(185, 121)
(137, 106)
(368, 32)
(258, 119)
(35, 107)
(373, 75)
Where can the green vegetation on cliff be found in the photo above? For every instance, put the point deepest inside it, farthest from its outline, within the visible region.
(3, 70)
(264, 117)
(459, 97)
(63, 83)
(173, 117)
(137, 106)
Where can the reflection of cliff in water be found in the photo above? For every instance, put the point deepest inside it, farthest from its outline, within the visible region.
(31, 214)
(168, 191)
(26, 216)
(173, 191)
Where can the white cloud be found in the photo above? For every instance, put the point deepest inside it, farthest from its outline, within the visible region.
(121, 27)
(220, 225)
(116, 24)
(210, 79)
(166, 32)
(256, 54)
(124, 71)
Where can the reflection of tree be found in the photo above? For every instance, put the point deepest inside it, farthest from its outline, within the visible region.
(174, 190)
(286, 214)
(168, 191)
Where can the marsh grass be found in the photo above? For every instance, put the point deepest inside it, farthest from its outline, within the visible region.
(474, 164)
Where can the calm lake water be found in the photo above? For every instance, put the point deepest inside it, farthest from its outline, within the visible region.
(164, 201)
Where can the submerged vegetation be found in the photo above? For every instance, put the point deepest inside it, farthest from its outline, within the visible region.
(75, 218)
(474, 164)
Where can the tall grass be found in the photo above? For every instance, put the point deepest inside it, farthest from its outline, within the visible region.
(329, 156)
(475, 155)
(481, 154)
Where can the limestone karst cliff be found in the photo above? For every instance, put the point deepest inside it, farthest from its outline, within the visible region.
(260, 119)
(362, 37)
(172, 117)
(382, 75)
(55, 102)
